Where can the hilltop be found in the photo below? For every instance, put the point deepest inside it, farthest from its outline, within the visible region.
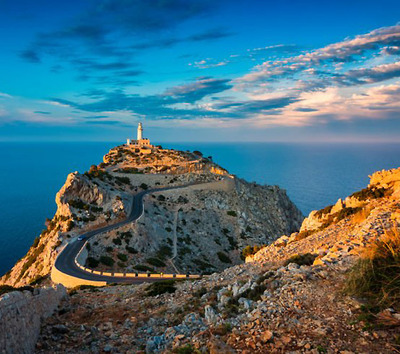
(288, 297)
(198, 229)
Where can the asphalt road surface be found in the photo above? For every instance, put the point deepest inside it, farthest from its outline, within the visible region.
(65, 261)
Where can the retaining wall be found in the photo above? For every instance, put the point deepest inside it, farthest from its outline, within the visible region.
(21, 314)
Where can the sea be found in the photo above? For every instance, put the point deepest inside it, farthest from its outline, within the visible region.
(314, 176)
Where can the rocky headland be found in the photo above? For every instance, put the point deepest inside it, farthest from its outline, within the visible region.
(290, 296)
(301, 289)
(201, 228)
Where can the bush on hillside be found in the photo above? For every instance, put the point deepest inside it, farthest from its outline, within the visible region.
(370, 193)
(161, 287)
(92, 262)
(155, 262)
(250, 250)
(122, 257)
(108, 261)
(231, 213)
(376, 276)
(301, 259)
(223, 257)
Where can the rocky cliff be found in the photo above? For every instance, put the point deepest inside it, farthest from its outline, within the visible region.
(201, 228)
(288, 297)
(340, 232)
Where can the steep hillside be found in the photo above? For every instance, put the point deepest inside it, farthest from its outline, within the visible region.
(288, 298)
(340, 232)
(200, 228)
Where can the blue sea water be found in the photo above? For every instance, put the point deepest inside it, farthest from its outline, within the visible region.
(314, 175)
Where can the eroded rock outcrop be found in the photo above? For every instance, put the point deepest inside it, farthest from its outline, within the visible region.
(201, 228)
(340, 232)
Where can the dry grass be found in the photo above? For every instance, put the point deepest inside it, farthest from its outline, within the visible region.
(361, 215)
(376, 275)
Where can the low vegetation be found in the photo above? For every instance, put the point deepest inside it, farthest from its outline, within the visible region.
(250, 250)
(106, 260)
(301, 259)
(161, 287)
(376, 276)
(223, 257)
(92, 262)
(371, 193)
(4, 289)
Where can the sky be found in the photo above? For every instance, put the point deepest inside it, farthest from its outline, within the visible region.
(200, 70)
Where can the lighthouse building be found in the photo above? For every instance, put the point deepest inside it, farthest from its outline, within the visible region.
(140, 142)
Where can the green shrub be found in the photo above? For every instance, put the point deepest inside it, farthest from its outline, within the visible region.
(184, 250)
(186, 349)
(155, 262)
(370, 193)
(231, 213)
(70, 225)
(168, 229)
(250, 250)
(232, 242)
(143, 268)
(126, 235)
(92, 262)
(161, 287)
(106, 260)
(203, 266)
(223, 257)
(96, 209)
(131, 250)
(36, 242)
(301, 259)
(324, 211)
(346, 212)
(117, 241)
(144, 186)
(122, 257)
(78, 204)
(164, 251)
(109, 249)
(124, 180)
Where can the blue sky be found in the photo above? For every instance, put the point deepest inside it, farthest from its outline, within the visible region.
(200, 70)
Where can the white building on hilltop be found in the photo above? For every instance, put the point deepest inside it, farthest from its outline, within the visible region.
(140, 142)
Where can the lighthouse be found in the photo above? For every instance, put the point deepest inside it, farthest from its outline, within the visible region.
(140, 132)
(140, 142)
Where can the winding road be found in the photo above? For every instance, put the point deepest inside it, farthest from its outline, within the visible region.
(65, 262)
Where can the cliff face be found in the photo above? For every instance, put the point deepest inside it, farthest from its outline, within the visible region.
(340, 232)
(267, 305)
(199, 228)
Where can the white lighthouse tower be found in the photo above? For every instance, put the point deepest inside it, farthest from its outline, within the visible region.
(139, 132)
(140, 142)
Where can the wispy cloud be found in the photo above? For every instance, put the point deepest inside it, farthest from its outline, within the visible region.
(87, 43)
(345, 51)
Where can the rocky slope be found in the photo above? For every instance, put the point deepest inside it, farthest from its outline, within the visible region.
(269, 305)
(201, 228)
